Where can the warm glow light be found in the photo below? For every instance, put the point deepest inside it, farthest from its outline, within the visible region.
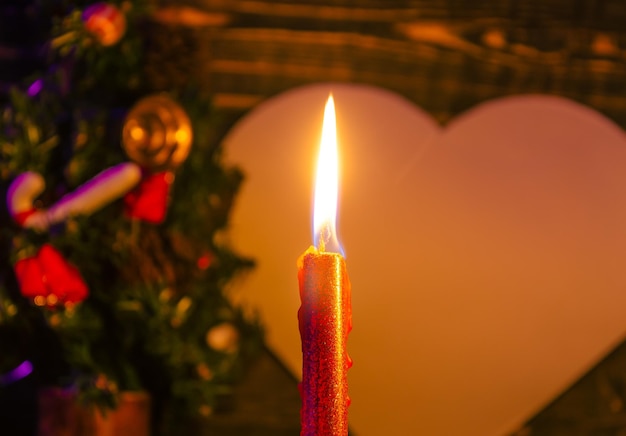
(326, 185)
(137, 133)
(182, 135)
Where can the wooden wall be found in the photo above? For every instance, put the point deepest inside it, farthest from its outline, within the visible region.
(444, 55)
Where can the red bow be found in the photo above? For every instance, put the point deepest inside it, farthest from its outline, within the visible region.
(21, 217)
(148, 201)
(48, 273)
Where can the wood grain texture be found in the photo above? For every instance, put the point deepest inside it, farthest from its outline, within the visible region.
(266, 403)
(594, 405)
(446, 56)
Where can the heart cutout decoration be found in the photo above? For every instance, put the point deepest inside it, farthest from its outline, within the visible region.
(485, 256)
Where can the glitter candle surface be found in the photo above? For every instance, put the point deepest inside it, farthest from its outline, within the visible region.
(325, 319)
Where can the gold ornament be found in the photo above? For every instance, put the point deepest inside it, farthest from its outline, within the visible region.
(157, 133)
(223, 337)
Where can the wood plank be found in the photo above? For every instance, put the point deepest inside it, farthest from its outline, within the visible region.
(445, 56)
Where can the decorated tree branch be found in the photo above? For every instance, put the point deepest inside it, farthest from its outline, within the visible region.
(114, 269)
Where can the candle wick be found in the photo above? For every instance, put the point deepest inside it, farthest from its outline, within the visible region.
(324, 237)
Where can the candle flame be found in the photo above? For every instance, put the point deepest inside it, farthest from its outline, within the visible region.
(326, 185)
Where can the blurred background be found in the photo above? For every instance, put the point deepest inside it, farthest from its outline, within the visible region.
(486, 138)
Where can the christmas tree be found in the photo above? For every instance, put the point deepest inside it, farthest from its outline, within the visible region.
(114, 261)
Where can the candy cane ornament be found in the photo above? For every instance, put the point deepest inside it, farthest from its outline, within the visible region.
(20, 198)
(102, 189)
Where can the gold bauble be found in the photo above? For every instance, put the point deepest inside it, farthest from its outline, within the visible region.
(223, 337)
(157, 133)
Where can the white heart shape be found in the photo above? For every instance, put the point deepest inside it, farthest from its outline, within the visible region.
(485, 258)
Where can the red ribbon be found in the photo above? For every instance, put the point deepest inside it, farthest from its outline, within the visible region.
(21, 217)
(148, 201)
(48, 273)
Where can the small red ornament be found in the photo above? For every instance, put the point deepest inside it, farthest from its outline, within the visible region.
(48, 273)
(204, 261)
(148, 201)
(106, 22)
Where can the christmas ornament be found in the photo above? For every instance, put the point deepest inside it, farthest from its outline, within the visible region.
(223, 337)
(204, 261)
(148, 201)
(105, 22)
(46, 274)
(94, 194)
(180, 312)
(157, 134)
(103, 383)
(204, 372)
(21, 195)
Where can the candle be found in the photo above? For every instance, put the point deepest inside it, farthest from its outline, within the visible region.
(325, 315)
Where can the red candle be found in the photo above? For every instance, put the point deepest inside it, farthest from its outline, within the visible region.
(325, 316)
